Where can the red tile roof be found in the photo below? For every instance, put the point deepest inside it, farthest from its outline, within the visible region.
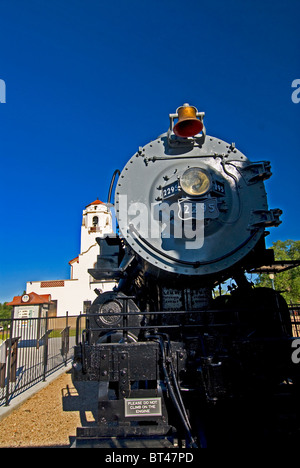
(74, 259)
(96, 202)
(33, 299)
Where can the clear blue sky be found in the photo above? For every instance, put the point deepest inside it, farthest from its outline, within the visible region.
(88, 82)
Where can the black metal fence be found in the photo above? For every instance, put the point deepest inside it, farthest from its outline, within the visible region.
(295, 318)
(31, 349)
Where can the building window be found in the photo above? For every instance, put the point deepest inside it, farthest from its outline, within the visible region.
(95, 220)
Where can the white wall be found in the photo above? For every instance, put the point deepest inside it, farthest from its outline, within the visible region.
(80, 287)
(71, 296)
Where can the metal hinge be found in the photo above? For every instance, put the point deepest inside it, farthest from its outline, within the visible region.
(124, 386)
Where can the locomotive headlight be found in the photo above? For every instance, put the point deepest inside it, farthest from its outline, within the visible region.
(194, 181)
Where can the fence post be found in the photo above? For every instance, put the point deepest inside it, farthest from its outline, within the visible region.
(46, 347)
(65, 334)
(3, 356)
(67, 337)
(8, 353)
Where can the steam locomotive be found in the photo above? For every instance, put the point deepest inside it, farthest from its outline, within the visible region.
(177, 366)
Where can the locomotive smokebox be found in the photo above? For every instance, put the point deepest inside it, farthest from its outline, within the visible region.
(192, 206)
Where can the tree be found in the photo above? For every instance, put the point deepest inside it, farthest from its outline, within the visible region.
(5, 311)
(287, 282)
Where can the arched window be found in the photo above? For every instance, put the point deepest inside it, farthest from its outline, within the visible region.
(95, 220)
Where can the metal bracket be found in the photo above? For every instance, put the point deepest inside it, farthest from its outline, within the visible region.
(256, 172)
(264, 218)
(104, 365)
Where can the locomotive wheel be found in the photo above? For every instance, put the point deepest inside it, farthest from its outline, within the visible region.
(267, 324)
(267, 313)
(262, 343)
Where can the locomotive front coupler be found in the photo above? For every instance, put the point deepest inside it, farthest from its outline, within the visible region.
(139, 393)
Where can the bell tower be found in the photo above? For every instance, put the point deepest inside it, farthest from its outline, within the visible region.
(96, 221)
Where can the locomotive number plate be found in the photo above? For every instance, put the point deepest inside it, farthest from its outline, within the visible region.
(170, 190)
(139, 407)
(208, 206)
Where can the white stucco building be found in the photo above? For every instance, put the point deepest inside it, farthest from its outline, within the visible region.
(75, 294)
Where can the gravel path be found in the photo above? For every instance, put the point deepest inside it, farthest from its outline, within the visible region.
(50, 417)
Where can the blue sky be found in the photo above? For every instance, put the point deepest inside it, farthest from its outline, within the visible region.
(88, 82)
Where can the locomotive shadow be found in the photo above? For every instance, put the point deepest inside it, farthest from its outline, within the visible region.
(82, 397)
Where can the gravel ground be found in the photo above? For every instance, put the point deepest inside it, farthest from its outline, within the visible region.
(50, 417)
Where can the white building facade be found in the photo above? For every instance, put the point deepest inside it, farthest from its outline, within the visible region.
(74, 295)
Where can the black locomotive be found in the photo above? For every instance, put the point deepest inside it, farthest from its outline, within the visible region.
(176, 366)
